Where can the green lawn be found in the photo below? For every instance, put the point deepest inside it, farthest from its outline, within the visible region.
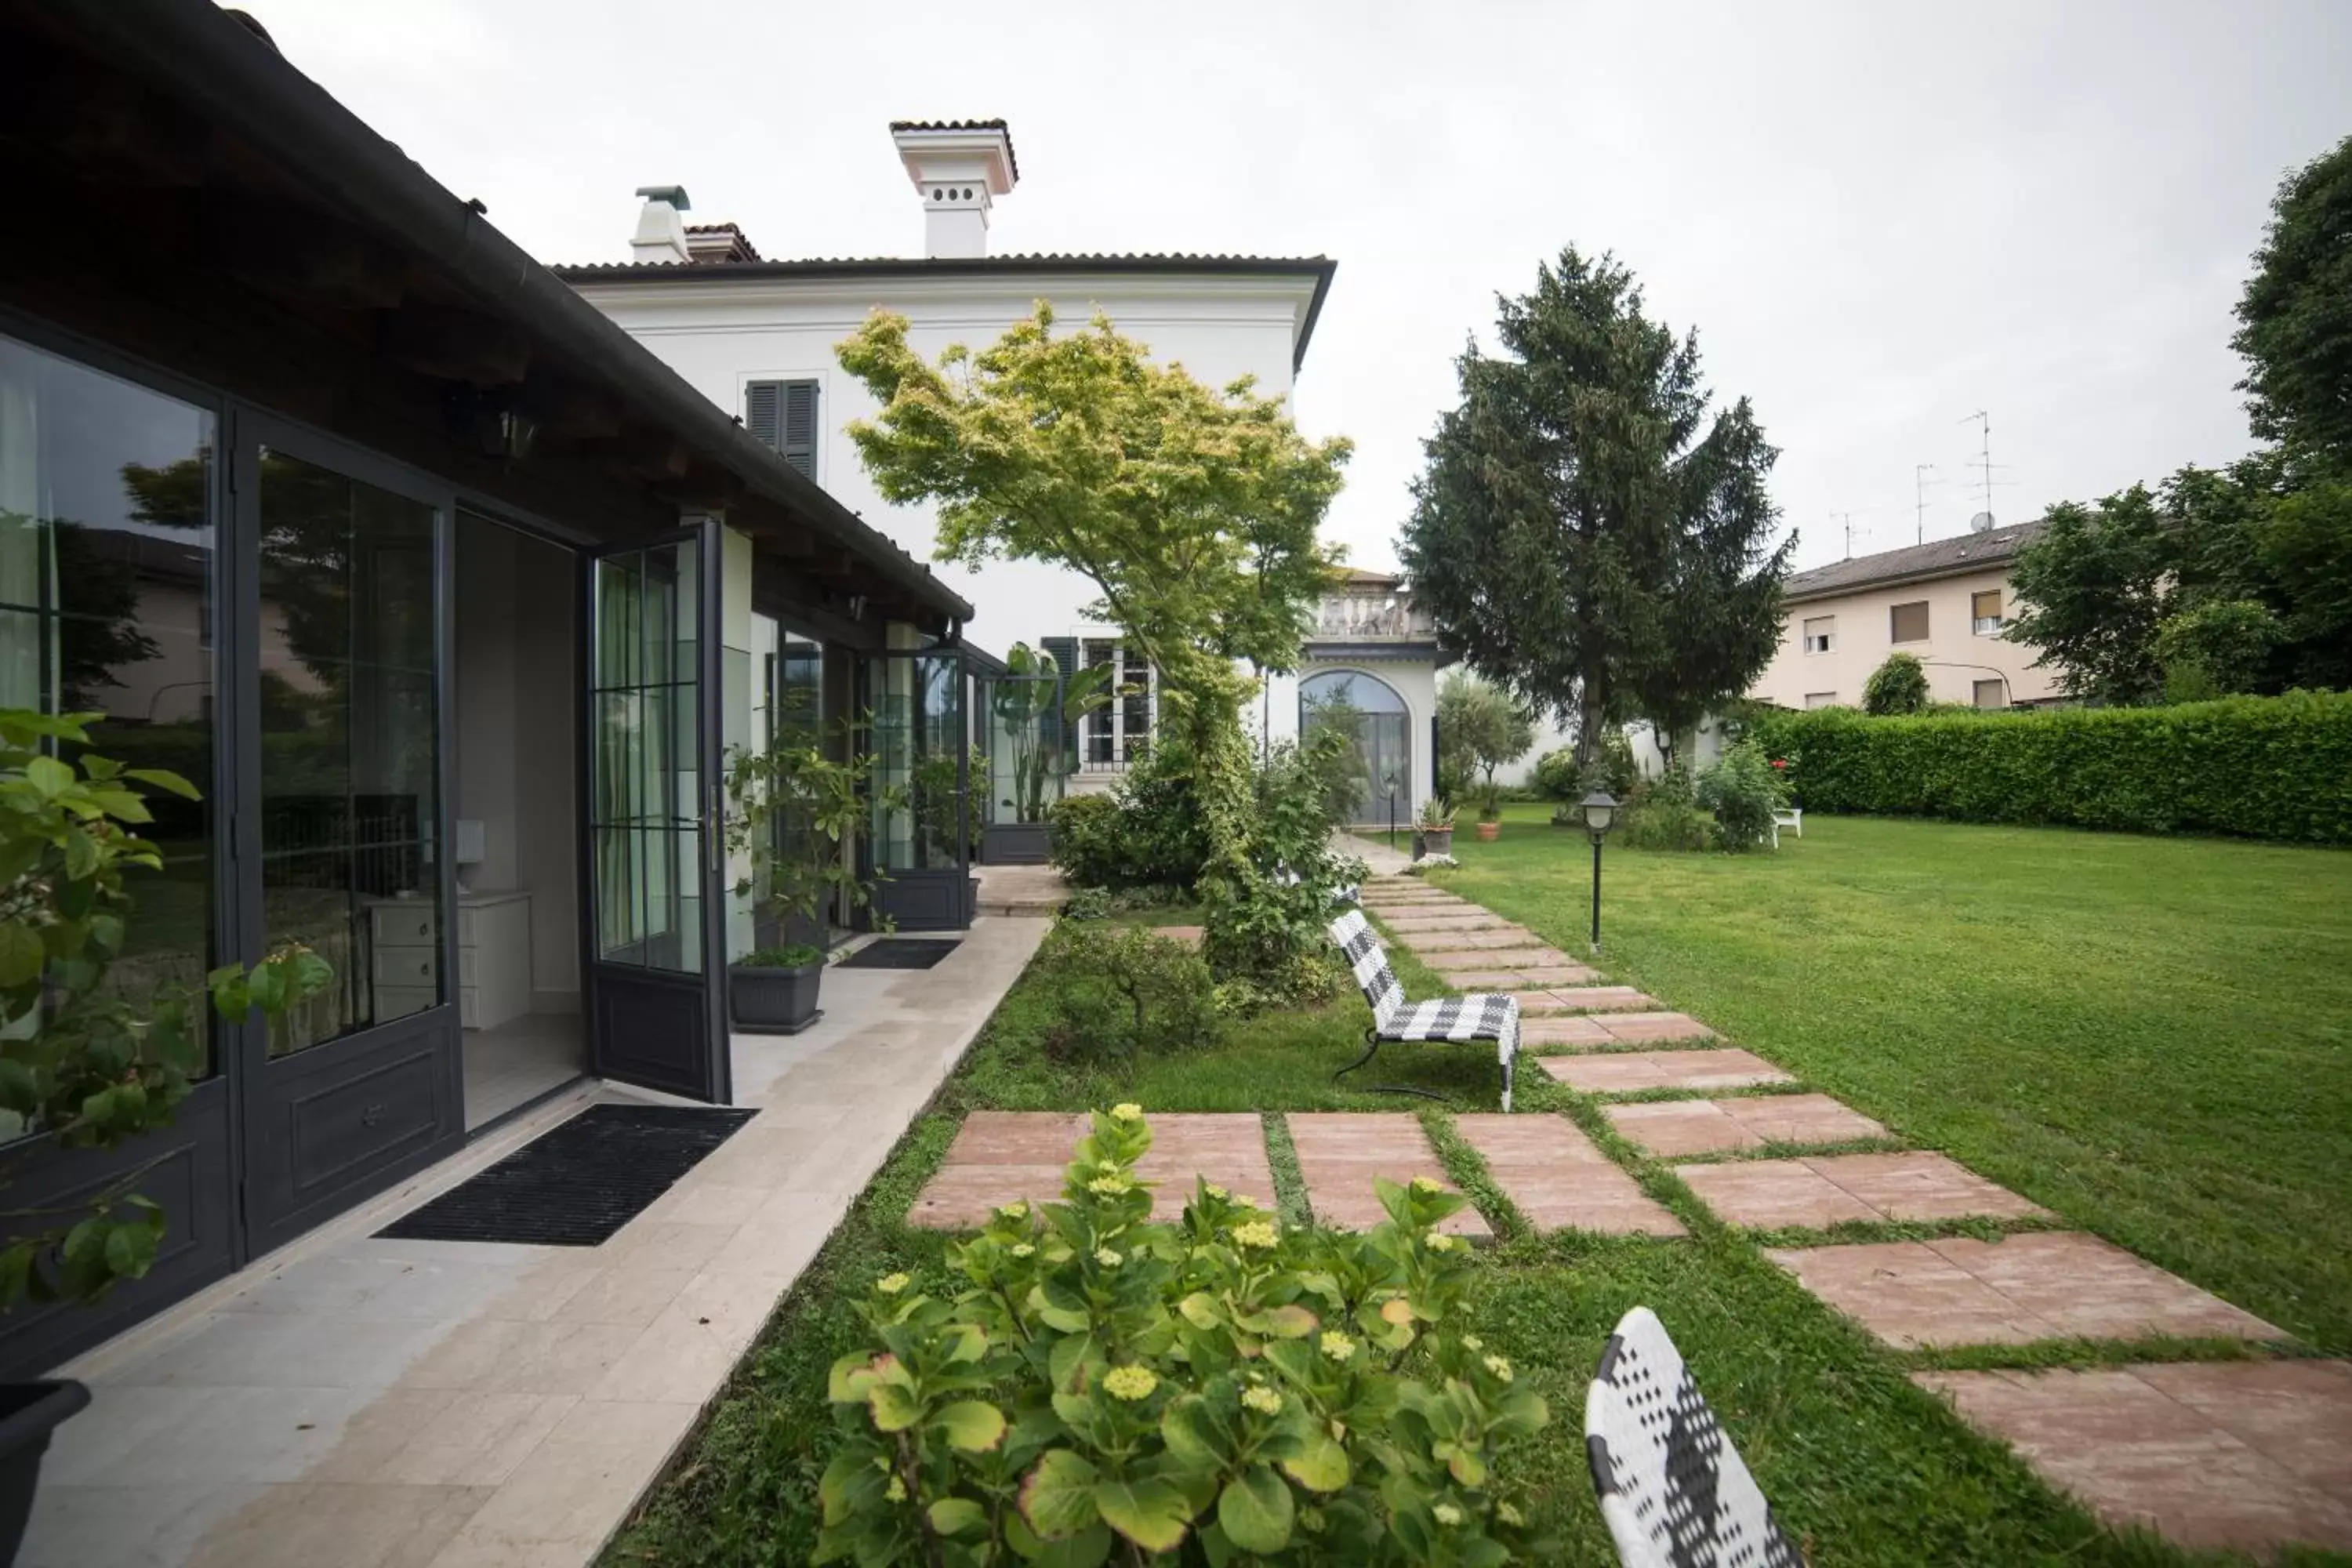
(2004, 994)
(2152, 1036)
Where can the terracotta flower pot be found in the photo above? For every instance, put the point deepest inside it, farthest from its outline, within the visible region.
(1487, 830)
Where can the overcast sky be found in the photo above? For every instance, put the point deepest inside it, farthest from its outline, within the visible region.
(1880, 218)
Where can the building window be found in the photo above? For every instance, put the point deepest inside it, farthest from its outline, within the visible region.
(1821, 699)
(1117, 732)
(1992, 694)
(1368, 711)
(784, 414)
(1984, 614)
(1821, 634)
(1908, 622)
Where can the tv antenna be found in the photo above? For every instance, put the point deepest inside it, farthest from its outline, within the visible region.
(1845, 518)
(1984, 463)
(1920, 472)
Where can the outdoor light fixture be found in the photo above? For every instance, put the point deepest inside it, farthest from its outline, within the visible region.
(1600, 810)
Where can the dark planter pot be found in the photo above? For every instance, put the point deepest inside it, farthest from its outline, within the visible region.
(1016, 844)
(29, 1412)
(1433, 841)
(766, 1001)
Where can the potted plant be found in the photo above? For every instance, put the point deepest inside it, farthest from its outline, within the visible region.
(789, 809)
(81, 1065)
(1023, 702)
(1490, 809)
(1486, 730)
(1433, 829)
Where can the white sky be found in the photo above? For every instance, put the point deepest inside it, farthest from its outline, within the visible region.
(1880, 216)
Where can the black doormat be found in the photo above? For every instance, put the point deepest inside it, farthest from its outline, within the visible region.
(577, 1184)
(899, 952)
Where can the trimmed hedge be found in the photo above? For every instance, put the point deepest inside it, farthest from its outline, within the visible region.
(2258, 767)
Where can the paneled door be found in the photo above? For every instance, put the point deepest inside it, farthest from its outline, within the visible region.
(656, 999)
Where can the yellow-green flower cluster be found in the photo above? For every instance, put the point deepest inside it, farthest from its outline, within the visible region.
(1426, 1185)
(1446, 1514)
(1023, 1249)
(1256, 1233)
(1438, 1241)
(1129, 1383)
(1262, 1400)
(1107, 1259)
(1129, 1112)
(1016, 1209)
(1108, 1186)
(891, 1284)
(1499, 1367)
(1337, 1346)
(1218, 1193)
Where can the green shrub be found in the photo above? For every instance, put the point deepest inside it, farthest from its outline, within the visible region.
(1084, 839)
(2259, 767)
(1148, 831)
(1898, 686)
(1742, 790)
(1557, 777)
(1088, 904)
(1117, 989)
(1663, 814)
(1266, 915)
(798, 955)
(1084, 1374)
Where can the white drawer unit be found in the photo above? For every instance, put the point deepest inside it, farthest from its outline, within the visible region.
(493, 957)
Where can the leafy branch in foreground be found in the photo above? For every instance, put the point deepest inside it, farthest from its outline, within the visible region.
(1221, 1388)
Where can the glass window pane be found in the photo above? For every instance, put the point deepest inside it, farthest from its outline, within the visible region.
(919, 730)
(645, 790)
(107, 534)
(351, 744)
(1371, 713)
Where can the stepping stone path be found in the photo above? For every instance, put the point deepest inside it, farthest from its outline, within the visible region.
(1560, 1179)
(1816, 1193)
(1593, 999)
(1425, 942)
(1629, 1072)
(2013, 1291)
(999, 1157)
(2224, 1456)
(1671, 1127)
(1339, 1152)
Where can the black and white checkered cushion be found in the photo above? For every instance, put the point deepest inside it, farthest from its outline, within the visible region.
(1673, 1489)
(1486, 1016)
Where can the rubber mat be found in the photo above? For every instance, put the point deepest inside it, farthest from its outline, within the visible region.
(898, 953)
(578, 1183)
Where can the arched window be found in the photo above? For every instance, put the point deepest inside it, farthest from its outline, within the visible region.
(1376, 720)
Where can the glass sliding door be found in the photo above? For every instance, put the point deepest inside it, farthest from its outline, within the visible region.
(920, 826)
(657, 1013)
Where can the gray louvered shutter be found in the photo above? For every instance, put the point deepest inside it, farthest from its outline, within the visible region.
(1064, 651)
(799, 443)
(764, 411)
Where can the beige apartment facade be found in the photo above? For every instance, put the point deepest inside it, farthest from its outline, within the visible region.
(1946, 602)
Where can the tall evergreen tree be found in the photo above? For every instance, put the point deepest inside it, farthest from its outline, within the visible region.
(1584, 533)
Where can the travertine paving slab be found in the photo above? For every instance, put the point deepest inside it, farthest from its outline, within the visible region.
(1495, 978)
(1339, 1152)
(1382, 897)
(1827, 1190)
(1626, 1073)
(1643, 1026)
(1672, 1127)
(1559, 1180)
(999, 1157)
(1521, 957)
(2054, 1285)
(1469, 940)
(2233, 1456)
(1562, 1030)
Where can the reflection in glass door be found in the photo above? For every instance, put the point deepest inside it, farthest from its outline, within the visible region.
(656, 1013)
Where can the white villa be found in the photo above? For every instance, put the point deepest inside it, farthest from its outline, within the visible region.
(757, 336)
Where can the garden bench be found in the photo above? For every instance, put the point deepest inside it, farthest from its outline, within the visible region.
(1486, 1016)
(1673, 1490)
(1787, 816)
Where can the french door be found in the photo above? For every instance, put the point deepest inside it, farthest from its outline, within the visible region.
(654, 852)
(341, 649)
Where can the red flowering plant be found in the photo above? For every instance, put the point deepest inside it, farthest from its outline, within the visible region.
(1220, 1389)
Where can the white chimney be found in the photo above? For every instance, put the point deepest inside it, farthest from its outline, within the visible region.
(661, 232)
(958, 167)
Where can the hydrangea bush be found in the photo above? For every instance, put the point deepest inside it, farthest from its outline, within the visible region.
(1223, 1389)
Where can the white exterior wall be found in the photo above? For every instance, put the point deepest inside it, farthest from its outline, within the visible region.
(1864, 641)
(723, 333)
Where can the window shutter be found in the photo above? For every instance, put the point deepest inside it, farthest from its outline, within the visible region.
(799, 443)
(1051, 741)
(764, 411)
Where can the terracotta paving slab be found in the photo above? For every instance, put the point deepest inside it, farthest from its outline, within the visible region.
(1191, 936)
(1562, 1031)
(1516, 979)
(1672, 1127)
(1587, 999)
(1468, 941)
(2054, 1285)
(1339, 1152)
(2231, 1456)
(1469, 919)
(1383, 897)
(1826, 1190)
(1560, 1179)
(1633, 1026)
(1624, 1072)
(1000, 1155)
(1524, 956)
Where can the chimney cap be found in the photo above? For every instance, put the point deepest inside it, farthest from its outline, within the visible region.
(670, 195)
(992, 140)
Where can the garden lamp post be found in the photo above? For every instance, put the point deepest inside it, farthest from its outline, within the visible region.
(1600, 810)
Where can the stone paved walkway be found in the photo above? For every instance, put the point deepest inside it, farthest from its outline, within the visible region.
(1340, 1152)
(1674, 1127)
(1814, 1195)
(1630, 1072)
(1560, 1179)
